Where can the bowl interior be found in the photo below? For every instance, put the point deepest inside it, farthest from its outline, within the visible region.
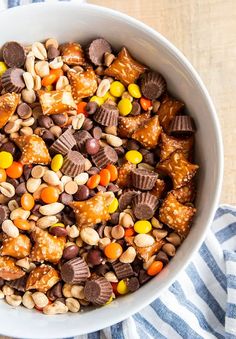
(69, 22)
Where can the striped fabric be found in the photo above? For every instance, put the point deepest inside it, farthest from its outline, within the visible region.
(202, 302)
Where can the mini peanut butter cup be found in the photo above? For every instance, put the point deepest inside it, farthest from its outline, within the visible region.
(153, 85)
(144, 205)
(126, 198)
(64, 143)
(12, 80)
(133, 284)
(13, 54)
(81, 137)
(107, 115)
(97, 49)
(182, 125)
(75, 271)
(122, 271)
(97, 291)
(106, 155)
(143, 179)
(74, 164)
(4, 213)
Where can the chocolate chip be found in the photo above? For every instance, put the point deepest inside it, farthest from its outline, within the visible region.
(162, 256)
(92, 146)
(9, 147)
(66, 198)
(97, 291)
(13, 54)
(75, 271)
(153, 85)
(12, 80)
(45, 121)
(53, 52)
(35, 210)
(70, 252)
(102, 269)
(96, 50)
(101, 188)
(24, 111)
(48, 137)
(113, 188)
(55, 292)
(97, 132)
(58, 119)
(82, 193)
(67, 219)
(100, 230)
(149, 158)
(143, 277)
(21, 189)
(120, 151)
(91, 107)
(58, 231)
(4, 213)
(93, 170)
(19, 284)
(133, 284)
(136, 108)
(132, 145)
(94, 257)
(115, 218)
(13, 182)
(1, 282)
(92, 193)
(87, 125)
(27, 172)
(126, 198)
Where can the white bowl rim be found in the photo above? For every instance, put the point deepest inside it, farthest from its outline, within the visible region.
(220, 154)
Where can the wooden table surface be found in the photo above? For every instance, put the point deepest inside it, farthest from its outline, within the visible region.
(205, 31)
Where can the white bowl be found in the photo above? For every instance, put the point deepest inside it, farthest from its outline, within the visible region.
(81, 22)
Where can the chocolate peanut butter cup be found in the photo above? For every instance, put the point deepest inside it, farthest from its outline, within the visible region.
(133, 284)
(74, 164)
(75, 271)
(97, 49)
(12, 80)
(106, 155)
(107, 115)
(126, 198)
(122, 271)
(143, 179)
(97, 291)
(182, 125)
(81, 137)
(144, 205)
(64, 143)
(153, 85)
(13, 54)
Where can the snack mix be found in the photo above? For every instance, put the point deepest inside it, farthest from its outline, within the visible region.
(97, 174)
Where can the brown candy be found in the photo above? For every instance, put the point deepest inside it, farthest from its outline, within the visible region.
(122, 271)
(182, 125)
(126, 198)
(12, 80)
(19, 284)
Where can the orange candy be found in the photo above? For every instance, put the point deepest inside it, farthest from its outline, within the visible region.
(49, 194)
(22, 224)
(113, 250)
(27, 201)
(15, 170)
(93, 181)
(49, 80)
(81, 108)
(129, 232)
(145, 103)
(155, 268)
(3, 176)
(113, 172)
(105, 177)
(57, 72)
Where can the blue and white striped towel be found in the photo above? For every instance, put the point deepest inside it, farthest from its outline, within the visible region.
(202, 302)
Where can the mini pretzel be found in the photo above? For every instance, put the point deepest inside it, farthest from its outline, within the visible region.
(176, 215)
(8, 269)
(18, 247)
(83, 84)
(72, 54)
(8, 104)
(127, 125)
(125, 68)
(42, 278)
(47, 247)
(55, 102)
(186, 194)
(145, 253)
(90, 212)
(124, 175)
(149, 134)
(178, 168)
(159, 188)
(169, 108)
(34, 150)
(170, 144)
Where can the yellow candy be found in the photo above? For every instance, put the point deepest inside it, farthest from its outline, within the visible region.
(6, 159)
(134, 157)
(125, 106)
(98, 100)
(122, 287)
(134, 90)
(142, 226)
(58, 224)
(108, 96)
(113, 206)
(109, 301)
(3, 67)
(57, 162)
(117, 89)
(49, 88)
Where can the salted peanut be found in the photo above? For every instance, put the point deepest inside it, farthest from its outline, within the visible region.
(37, 83)
(51, 42)
(82, 178)
(29, 64)
(40, 299)
(7, 290)
(117, 232)
(51, 209)
(79, 242)
(77, 291)
(126, 220)
(7, 189)
(66, 290)
(103, 87)
(108, 58)
(111, 277)
(56, 131)
(156, 223)
(29, 80)
(73, 305)
(23, 263)
(56, 308)
(33, 184)
(27, 300)
(26, 131)
(77, 121)
(42, 68)
(113, 140)
(71, 187)
(73, 231)
(19, 213)
(128, 256)
(159, 233)
(107, 231)
(3, 199)
(147, 264)
(12, 205)
(10, 229)
(56, 63)
(174, 239)
(1, 295)
(51, 178)
(38, 171)
(102, 243)
(62, 82)
(28, 122)
(46, 221)
(39, 51)
(14, 300)
(12, 126)
(28, 96)
(89, 236)
(111, 130)
(126, 95)
(169, 249)
(143, 240)
(87, 164)
(65, 179)
(42, 278)
(13, 118)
